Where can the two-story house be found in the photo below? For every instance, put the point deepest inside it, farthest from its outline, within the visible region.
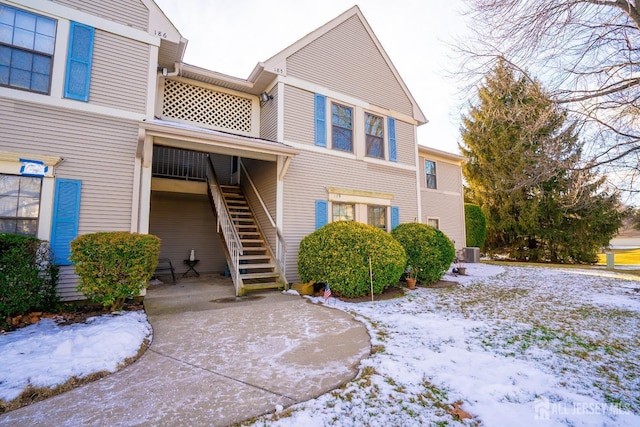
(105, 128)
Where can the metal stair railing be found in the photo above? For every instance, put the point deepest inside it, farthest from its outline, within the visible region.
(225, 223)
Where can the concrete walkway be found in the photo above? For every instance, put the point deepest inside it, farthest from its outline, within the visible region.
(215, 360)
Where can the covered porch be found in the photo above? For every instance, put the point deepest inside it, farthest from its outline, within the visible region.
(217, 194)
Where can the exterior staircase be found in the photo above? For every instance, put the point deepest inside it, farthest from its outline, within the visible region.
(258, 268)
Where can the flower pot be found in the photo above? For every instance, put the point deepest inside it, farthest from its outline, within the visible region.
(411, 283)
(462, 270)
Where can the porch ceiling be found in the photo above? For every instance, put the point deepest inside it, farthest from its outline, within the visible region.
(195, 138)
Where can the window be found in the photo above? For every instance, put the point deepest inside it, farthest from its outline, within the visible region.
(377, 216)
(341, 127)
(430, 170)
(19, 204)
(343, 212)
(434, 222)
(374, 135)
(26, 49)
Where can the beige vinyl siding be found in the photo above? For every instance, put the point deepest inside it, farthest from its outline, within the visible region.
(298, 115)
(184, 222)
(347, 60)
(119, 72)
(448, 208)
(405, 143)
(97, 150)
(448, 176)
(299, 125)
(269, 118)
(446, 201)
(129, 12)
(222, 166)
(307, 178)
(263, 175)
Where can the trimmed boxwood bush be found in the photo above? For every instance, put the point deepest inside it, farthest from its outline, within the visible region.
(28, 276)
(476, 225)
(427, 248)
(114, 265)
(338, 254)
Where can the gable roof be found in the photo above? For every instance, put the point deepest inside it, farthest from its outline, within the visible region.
(277, 63)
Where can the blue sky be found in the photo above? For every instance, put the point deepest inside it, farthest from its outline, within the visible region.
(232, 36)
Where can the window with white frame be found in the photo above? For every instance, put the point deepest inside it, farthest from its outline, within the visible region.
(430, 172)
(377, 216)
(434, 222)
(19, 204)
(27, 42)
(343, 212)
(374, 135)
(341, 127)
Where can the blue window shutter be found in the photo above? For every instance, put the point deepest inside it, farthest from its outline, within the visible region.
(391, 129)
(66, 210)
(78, 77)
(322, 208)
(320, 120)
(395, 217)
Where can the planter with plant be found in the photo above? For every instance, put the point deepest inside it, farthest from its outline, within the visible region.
(412, 274)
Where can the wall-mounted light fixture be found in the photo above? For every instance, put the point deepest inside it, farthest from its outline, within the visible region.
(264, 97)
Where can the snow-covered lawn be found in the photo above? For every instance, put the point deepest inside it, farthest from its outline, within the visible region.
(517, 346)
(47, 355)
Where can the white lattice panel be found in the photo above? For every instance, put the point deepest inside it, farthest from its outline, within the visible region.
(205, 106)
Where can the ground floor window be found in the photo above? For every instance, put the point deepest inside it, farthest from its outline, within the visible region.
(19, 204)
(434, 222)
(343, 212)
(377, 216)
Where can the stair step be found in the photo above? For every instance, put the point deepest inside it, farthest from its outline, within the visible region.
(248, 233)
(254, 266)
(258, 275)
(253, 257)
(234, 195)
(237, 202)
(254, 249)
(243, 241)
(268, 285)
(230, 187)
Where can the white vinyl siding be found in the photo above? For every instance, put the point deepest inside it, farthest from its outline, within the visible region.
(298, 115)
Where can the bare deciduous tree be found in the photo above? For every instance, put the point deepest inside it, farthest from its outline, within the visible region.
(587, 54)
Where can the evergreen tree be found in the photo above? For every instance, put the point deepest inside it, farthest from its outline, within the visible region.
(521, 170)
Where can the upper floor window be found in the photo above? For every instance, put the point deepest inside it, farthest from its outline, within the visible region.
(430, 171)
(343, 212)
(341, 127)
(19, 204)
(374, 135)
(27, 41)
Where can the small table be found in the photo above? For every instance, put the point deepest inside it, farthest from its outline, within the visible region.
(191, 265)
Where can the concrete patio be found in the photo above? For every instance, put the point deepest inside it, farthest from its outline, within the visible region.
(215, 360)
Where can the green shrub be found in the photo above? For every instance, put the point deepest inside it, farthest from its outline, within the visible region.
(427, 248)
(114, 265)
(28, 276)
(338, 254)
(476, 225)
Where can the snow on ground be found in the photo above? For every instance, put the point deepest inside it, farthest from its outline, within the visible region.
(516, 345)
(47, 354)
